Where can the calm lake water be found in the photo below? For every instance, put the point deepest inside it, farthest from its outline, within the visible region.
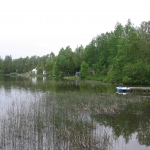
(48, 114)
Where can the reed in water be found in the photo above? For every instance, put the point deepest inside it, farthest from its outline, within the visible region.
(59, 121)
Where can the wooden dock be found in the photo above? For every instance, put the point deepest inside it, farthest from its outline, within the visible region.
(134, 89)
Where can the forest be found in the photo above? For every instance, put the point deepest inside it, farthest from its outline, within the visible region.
(119, 56)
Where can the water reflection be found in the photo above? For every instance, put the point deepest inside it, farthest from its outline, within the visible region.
(47, 124)
(71, 115)
(77, 83)
(16, 95)
(44, 79)
(126, 126)
(57, 85)
(34, 80)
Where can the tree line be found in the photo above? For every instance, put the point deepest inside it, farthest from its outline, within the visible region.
(122, 55)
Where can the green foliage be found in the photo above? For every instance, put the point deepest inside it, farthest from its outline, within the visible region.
(123, 55)
(64, 63)
(56, 71)
(90, 54)
(7, 65)
(78, 57)
(126, 79)
(40, 67)
(39, 70)
(1, 73)
(49, 66)
(84, 70)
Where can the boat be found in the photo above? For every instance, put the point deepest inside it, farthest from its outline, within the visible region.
(123, 90)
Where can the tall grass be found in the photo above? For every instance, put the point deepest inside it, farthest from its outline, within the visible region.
(59, 122)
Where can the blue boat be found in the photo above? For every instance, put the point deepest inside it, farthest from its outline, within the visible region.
(123, 90)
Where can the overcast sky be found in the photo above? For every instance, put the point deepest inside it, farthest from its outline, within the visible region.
(39, 27)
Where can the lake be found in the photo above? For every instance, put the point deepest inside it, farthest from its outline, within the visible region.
(49, 114)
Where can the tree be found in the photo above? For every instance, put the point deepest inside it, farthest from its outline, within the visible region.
(78, 57)
(91, 54)
(1, 63)
(40, 67)
(7, 64)
(57, 72)
(34, 62)
(144, 32)
(64, 62)
(84, 70)
(27, 64)
(19, 65)
(1, 66)
(49, 66)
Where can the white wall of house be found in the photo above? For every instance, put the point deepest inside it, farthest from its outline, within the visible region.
(44, 71)
(34, 71)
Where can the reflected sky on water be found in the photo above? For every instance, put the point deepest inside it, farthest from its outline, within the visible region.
(127, 131)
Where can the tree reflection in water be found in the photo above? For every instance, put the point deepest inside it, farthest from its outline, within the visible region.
(62, 115)
(128, 122)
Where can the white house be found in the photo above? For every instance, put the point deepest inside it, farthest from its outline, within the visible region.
(44, 71)
(34, 71)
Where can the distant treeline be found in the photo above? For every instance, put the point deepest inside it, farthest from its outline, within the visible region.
(122, 55)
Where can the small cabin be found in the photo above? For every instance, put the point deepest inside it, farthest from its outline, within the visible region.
(44, 71)
(34, 71)
(77, 73)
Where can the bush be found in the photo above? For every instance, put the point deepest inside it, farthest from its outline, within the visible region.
(126, 79)
(1, 72)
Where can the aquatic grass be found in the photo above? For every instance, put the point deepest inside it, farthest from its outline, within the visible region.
(98, 103)
(60, 121)
(47, 123)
